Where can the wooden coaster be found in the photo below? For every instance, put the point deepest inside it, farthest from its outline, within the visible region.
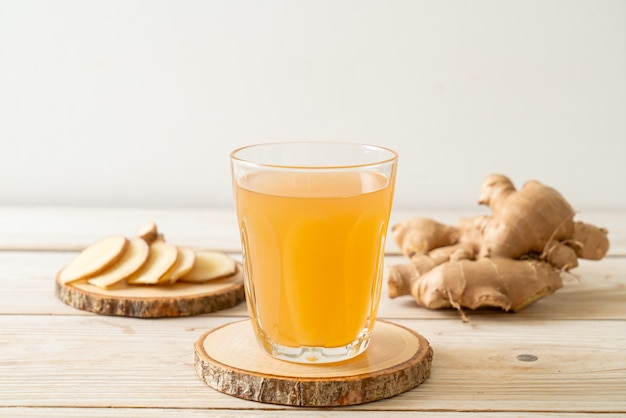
(179, 299)
(229, 360)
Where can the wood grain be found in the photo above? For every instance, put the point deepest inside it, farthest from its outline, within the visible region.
(595, 290)
(229, 360)
(72, 229)
(56, 360)
(178, 299)
(103, 361)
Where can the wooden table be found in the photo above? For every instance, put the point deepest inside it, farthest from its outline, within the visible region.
(59, 361)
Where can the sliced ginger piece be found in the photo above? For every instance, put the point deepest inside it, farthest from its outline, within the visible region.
(94, 259)
(134, 257)
(210, 265)
(161, 259)
(184, 263)
(148, 232)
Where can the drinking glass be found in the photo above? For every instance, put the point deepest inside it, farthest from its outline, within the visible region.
(313, 218)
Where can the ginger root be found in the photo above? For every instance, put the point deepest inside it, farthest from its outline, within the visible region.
(508, 259)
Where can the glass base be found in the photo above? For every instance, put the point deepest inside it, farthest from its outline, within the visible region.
(316, 355)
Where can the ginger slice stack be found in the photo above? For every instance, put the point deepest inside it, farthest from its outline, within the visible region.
(145, 260)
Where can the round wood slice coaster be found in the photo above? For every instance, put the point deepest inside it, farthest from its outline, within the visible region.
(179, 299)
(229, 360)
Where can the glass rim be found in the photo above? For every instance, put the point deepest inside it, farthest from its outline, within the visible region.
(248, 161)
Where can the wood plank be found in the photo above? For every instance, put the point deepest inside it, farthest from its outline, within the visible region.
(101, 362)
(59, 228)
(575, 363)
(27, 287)
(291, 413)
(36, 228)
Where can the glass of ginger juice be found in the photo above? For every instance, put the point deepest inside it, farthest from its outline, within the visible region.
(313, 218)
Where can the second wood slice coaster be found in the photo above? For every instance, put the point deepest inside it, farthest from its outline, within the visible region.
(179, 299)
(229, 360)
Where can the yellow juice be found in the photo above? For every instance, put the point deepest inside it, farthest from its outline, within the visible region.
(313, 246)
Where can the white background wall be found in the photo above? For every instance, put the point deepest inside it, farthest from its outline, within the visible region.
(138, 103)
